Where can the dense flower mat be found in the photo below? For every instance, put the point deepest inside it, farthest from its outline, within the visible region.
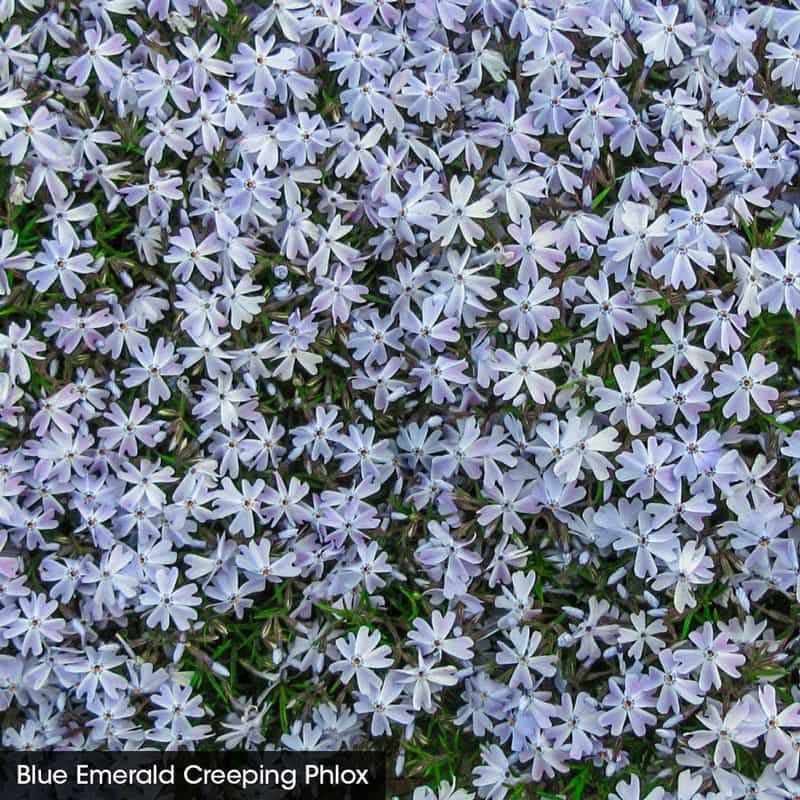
(408, 375)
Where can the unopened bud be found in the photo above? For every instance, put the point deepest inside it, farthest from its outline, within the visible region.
(220, 670)
(617, 575)
(282, 291)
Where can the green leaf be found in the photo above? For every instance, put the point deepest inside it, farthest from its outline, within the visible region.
(596, 203)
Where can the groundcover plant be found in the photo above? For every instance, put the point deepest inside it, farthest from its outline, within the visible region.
(410, 376)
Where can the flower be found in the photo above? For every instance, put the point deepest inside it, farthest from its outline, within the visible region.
(642, 634)
(380, 702)
(434, 637)
(427, 679)
(58, 263)
(712, 654)
(628, 704)
(362, 655)
(662, 36)
(741, 382)
(647, 468)
(629, 403)
(691, 567)
(97, 58)
(524, 368)
(632, 791)
(723, 732)
(33, 622)
(459, 213)
(521, 655)
(785, 290)
(170, 605)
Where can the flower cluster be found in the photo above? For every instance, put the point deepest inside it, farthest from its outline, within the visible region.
(418, 375)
